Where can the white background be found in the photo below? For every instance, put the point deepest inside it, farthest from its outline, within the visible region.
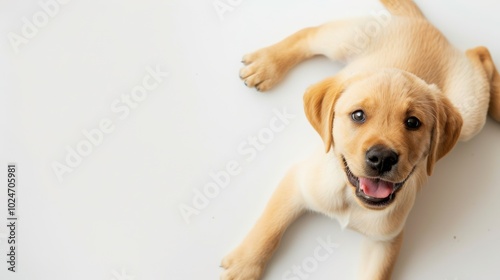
(116, 215)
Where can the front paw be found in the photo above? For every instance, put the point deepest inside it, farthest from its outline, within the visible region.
(242, 265)
(263, 69)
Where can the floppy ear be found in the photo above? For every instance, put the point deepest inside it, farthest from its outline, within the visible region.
(445, 132)
(319, 101)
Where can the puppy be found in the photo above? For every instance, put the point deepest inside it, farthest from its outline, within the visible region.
(399, 105)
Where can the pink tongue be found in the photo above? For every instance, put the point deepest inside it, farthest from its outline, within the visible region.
(376, 188)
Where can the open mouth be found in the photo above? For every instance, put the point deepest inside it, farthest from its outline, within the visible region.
(374, 192)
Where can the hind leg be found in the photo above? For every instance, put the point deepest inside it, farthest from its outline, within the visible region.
(481, 56)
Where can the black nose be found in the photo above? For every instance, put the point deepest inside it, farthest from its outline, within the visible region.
(381, 159)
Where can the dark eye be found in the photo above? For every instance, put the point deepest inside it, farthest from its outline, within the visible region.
(358, 116)
(412, 123)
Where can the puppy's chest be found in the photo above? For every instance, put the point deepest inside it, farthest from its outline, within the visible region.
(326, 191)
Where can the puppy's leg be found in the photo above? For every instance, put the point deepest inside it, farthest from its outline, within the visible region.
(379, 258)
(482, 58)
(248, 260)
(338, 40)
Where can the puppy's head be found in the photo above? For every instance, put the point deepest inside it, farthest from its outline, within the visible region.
(384, 126)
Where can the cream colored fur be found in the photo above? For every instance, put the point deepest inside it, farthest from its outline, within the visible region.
(408, 68)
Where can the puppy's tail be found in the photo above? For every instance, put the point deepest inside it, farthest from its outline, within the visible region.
(406, 8)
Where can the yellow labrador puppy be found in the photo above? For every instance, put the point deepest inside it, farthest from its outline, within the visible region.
(401, 103)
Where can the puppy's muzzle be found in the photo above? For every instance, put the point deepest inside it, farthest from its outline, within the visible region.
(381, 159)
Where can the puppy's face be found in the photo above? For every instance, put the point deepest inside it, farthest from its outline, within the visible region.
(382, 130)
(385, 125)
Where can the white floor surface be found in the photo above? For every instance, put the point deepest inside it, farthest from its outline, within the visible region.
(154, 85)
